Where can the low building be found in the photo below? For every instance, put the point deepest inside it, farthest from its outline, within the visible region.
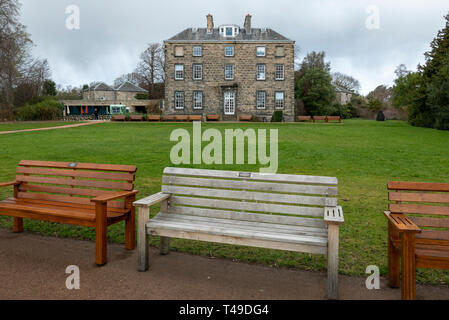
(229, 71)
(103, 98)
(343, 95)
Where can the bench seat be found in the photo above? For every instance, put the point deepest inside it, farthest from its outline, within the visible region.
(55, 211)
(294, 238)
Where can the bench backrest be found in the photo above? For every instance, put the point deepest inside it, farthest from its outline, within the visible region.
(334, 118)
(277, 198)
(304, 118)
(426, 204)
(72, 182)
(319, 117)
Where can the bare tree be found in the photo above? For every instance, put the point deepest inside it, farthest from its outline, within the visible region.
(132, 77)
(345, 81)
(151, 65)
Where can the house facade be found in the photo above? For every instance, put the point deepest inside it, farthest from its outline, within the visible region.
(343, 95)
(229, 71)
(103, 98)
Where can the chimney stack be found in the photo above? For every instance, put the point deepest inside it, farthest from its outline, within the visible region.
(247, 24)
(210, 23)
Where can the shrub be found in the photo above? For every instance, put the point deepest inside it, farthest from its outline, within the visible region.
(48, 109)
(278, 116)
(380, 116)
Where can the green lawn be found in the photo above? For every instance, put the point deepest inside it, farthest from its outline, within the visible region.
(32, 125)
(364, 155)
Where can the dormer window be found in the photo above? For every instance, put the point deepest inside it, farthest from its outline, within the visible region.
(229, 31)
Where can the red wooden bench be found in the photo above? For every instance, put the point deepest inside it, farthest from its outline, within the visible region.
(333, 118)
(182, 118)
(213, 117)
(196, 118)
(136, 118)
(168, 118)
(418, 235)
(154, 118)
(319, 118)
(304, 118)
(246, 118)
(119, 118)
(83, 194)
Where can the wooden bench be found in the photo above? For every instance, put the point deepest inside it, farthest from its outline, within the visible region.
(83, 194)
(319, 118)
(119, 118)
(418, 235)
(333, 118)
(156, 118)
(275, 211)
(304, 118)
(196, 118)
(182, 118)
(168, 118)
(246, 118)
(213, 117)
(136, 118)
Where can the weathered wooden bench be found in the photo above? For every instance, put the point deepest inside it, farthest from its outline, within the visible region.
(246, 117)
(418, 235)
(319, 118)
(155, 118)
(213, 117)
(195, 118)
(136, 118)
(333, 118)
(304, 118)
(83, 194)
(275, 211)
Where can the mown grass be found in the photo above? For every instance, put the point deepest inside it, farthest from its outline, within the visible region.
(11, 126)
(364, 155)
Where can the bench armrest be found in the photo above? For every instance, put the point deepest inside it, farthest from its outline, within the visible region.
(401, 222)
(113, 196)
(151, 200)
(334, 215)
(11, 183)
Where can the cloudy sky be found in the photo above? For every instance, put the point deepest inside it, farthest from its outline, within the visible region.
(113, 33)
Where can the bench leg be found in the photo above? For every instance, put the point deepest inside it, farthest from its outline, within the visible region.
(142, 240)
(394, 261)
(408, 266)
(165, 245)
(332, 261)
(130, 229)
(17, 225)
(101, 254)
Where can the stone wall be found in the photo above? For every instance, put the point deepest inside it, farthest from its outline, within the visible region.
(245, 85)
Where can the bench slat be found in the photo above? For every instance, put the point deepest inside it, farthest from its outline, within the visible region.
(430, 222)
(58, 198)
(247, 216)
(80, 183)
(239, 205)
(77, 173)
(419, 209)
(86, 166)
(253, 196)
(240, 224)
(419, 197)
(252, 176)
(250, 185)
(69, 191)
(418, 186)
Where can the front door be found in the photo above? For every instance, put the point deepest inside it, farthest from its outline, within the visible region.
(229, 103)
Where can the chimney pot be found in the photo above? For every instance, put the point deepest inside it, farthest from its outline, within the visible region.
(210, 23)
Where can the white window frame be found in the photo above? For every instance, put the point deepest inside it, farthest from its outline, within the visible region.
(200, 51)
(279, 74)
(195, 101)
(176, 72)
(194, 72)
(226, 51)
(232, 72)
(259, 100)
(229, 102)
(258, 75)
(264, 51)
(278, 103)
(179, 94)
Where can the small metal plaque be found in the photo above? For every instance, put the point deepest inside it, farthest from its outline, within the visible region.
(245, 175)
(73, 165)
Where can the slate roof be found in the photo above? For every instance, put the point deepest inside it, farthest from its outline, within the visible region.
(102, 87)
(256, 35)
(130, 87)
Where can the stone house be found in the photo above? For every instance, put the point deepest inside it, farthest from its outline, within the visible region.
(229, 71)
(343, 95)
(102, 97)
